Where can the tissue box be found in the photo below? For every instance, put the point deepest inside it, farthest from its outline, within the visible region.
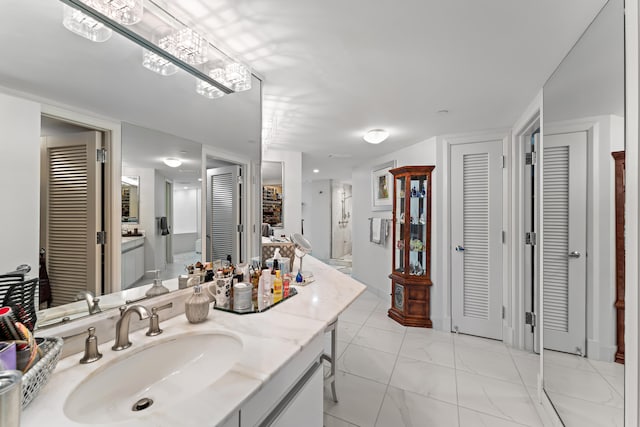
(7, 356)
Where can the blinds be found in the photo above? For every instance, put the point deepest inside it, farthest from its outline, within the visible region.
(476, 235)
(556, 238)
(223, 221)
(68, 221)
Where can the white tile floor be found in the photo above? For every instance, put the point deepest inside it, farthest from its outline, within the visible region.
(393, 376)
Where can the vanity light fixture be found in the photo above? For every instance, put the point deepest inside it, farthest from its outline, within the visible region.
(376, 136)
(172, 162)
(209, 91)
(125, 12)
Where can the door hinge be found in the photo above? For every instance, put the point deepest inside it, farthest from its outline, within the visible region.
(504, 312)
(530, 318)
(530, 238)
(531, 158)
(504, 236)
(240, 228)
(101, 238)
(504, 161)
(101, 155)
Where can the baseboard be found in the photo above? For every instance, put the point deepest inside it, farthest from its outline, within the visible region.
(598, 351)
(442, 324)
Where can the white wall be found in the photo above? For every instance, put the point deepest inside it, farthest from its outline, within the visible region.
(20, 177)
(371, 262)
(292, 191)
(186, 210)
(160, 250)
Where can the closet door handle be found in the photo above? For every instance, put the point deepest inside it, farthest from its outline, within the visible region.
(574, 254)
(459, 248)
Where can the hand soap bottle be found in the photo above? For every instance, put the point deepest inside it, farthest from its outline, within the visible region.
(197, 306)
(158, 288)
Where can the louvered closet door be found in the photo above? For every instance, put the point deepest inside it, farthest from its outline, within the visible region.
(564, 241)
(72, 214)
(223, 213)
(476, 233)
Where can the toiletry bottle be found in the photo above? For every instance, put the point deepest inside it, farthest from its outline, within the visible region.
(285, 285)
(158, 288)
(277, 288)
(266, 288)
(299, 278)
(197, 306)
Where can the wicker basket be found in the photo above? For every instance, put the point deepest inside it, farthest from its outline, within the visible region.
(36, 377)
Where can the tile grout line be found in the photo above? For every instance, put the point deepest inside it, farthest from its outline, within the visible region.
(526, 387)
(604, 377)
(455, 372)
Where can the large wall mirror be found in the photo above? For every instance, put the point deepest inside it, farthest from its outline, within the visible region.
(143, 119)
(583, 124)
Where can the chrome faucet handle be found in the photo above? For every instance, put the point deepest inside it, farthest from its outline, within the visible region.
(154, 320)
(91, 353)
(95, 308)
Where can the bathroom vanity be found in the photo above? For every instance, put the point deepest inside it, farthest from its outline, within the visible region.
(231, 370)
(132, 260)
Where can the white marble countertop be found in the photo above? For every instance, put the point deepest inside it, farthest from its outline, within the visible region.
(270, 339)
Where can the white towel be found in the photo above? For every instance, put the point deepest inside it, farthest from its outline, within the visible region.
(376, 226)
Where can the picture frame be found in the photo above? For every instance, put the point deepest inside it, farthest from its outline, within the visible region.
(382, 186)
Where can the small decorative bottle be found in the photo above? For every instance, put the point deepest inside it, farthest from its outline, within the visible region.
(197, 306)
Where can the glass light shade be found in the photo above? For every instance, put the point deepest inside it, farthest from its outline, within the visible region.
(83, 25)
(158, 64)
(190, 46)
(126, 12)
(172, 162)
(376, 136)
(238, 76)
(205, 89)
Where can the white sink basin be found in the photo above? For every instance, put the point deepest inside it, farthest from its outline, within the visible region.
(172, 370)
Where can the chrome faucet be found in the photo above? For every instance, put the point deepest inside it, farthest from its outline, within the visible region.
(92, 301)
(122, 326)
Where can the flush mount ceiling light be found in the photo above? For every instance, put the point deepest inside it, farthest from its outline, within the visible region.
(172, 162)
(316, 170)
(125, 12)
(376, 136)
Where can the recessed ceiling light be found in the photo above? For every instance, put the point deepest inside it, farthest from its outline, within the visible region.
(186, 188)
(199, 179)
(316, 170)
(376, 136)
(172, 162)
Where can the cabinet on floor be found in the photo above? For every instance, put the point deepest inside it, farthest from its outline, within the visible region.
(411, 264)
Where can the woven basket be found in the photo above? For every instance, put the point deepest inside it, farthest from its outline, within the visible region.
(36, 377)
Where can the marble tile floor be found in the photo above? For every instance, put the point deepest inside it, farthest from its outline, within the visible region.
(393, 376)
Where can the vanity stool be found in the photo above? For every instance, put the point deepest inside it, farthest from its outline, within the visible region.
(331, 358)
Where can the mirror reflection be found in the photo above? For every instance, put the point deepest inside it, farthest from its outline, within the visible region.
(272, 195)
(583, 326)
(130, 199)
(143, 121)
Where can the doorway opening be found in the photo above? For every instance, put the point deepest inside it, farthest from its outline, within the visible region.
(73, 214)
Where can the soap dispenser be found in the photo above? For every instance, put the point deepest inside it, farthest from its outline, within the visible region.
(158, 288)
(197, 306)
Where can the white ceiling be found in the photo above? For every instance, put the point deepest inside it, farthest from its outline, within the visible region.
(334, 69)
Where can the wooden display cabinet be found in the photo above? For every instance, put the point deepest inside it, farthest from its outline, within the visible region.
(411, 264)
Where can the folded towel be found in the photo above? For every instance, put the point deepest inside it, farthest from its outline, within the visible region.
(376, 228)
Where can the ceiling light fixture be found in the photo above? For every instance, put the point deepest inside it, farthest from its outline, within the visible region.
(172, 162)
(166, 49)
(316, 170)
(125, 12)
(376, 136)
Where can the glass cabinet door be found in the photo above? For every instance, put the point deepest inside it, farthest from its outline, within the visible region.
(418, 223)
(400, 224)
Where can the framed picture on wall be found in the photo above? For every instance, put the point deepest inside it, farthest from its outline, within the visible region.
(382, 186)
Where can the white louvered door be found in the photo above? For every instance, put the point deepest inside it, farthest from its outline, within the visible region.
(564, 241)
(72, 214)
(223, 213)
(476, 237)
